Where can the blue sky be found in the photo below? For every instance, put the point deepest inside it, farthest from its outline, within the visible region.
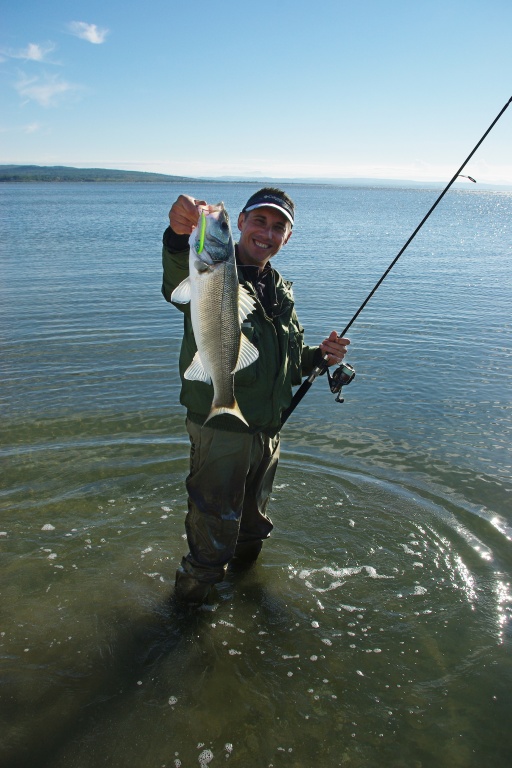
(287, 89)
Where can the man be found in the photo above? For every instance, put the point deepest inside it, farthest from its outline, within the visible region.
(232, 467)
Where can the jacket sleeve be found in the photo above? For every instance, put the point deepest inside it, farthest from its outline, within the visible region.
(174, 261)
(306, 358)
(311, 357)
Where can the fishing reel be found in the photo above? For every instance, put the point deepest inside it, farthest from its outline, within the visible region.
(341, 377)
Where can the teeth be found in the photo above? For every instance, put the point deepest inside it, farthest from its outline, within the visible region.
(261, 245)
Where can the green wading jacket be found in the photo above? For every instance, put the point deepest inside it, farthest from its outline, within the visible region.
(263, 389)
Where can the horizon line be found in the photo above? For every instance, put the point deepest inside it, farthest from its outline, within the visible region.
(260, 177)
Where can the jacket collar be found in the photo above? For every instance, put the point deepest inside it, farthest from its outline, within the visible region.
(274, 294)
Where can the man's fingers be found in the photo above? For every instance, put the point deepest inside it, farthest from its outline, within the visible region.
(184, 214)
(335, 347)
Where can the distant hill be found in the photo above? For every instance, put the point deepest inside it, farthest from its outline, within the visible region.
(63, 173)
(27, 173)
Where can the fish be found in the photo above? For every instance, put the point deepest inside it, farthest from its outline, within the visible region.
(218, 307)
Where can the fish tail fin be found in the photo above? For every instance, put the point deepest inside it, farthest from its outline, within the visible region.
(230, 410)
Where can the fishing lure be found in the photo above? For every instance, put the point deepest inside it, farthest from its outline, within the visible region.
(202, 231)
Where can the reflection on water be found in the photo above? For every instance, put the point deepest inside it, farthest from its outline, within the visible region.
(375, 630)
(376, 622)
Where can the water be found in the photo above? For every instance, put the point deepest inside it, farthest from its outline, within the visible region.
(375, 630)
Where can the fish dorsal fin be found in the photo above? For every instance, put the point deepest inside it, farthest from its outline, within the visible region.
(181, 294)
(247, 354)
(246, 303)
(196, 371)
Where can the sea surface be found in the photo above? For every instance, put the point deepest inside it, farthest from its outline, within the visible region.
(375, 629)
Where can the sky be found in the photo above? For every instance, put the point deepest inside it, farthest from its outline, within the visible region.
(326, 88)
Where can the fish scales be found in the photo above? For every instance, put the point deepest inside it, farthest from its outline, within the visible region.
(218, 307)
(217, 332)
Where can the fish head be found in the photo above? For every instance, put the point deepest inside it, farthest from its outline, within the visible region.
(211, 239)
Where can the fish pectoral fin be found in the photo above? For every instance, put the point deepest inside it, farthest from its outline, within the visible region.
(196, 371)
(246, 303)
(247, 354)
(181, 294)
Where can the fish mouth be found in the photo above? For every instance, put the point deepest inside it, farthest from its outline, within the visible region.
(217, 240)
(218, 248)
(205, 257)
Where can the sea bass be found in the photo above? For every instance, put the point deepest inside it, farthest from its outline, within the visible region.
(218, 307)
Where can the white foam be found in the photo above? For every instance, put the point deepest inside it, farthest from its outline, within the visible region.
(351, 609)
(205, 758)
(338, 574)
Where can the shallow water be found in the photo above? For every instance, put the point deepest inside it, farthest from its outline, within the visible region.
(375, 630)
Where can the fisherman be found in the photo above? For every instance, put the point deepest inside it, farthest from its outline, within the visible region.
(232, 466)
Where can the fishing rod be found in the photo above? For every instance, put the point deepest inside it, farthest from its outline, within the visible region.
(343, 375)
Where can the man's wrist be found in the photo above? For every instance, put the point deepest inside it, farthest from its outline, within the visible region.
(173, 242)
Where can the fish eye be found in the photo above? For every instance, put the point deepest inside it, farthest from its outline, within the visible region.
(225, 226)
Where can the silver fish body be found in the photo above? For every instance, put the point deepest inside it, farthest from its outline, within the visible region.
(218, 306)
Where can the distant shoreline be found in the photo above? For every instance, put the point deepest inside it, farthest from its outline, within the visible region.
(62, 173)
(34, 174)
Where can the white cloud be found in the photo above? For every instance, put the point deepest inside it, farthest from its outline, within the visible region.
(32, 128)
(89, 32)
(45, 91)
(33, 52)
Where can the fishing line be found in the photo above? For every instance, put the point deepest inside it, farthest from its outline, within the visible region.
(345, 373)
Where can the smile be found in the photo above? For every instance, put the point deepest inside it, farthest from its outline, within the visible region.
(261, 245)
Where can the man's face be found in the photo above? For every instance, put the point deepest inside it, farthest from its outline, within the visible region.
(263, 232)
